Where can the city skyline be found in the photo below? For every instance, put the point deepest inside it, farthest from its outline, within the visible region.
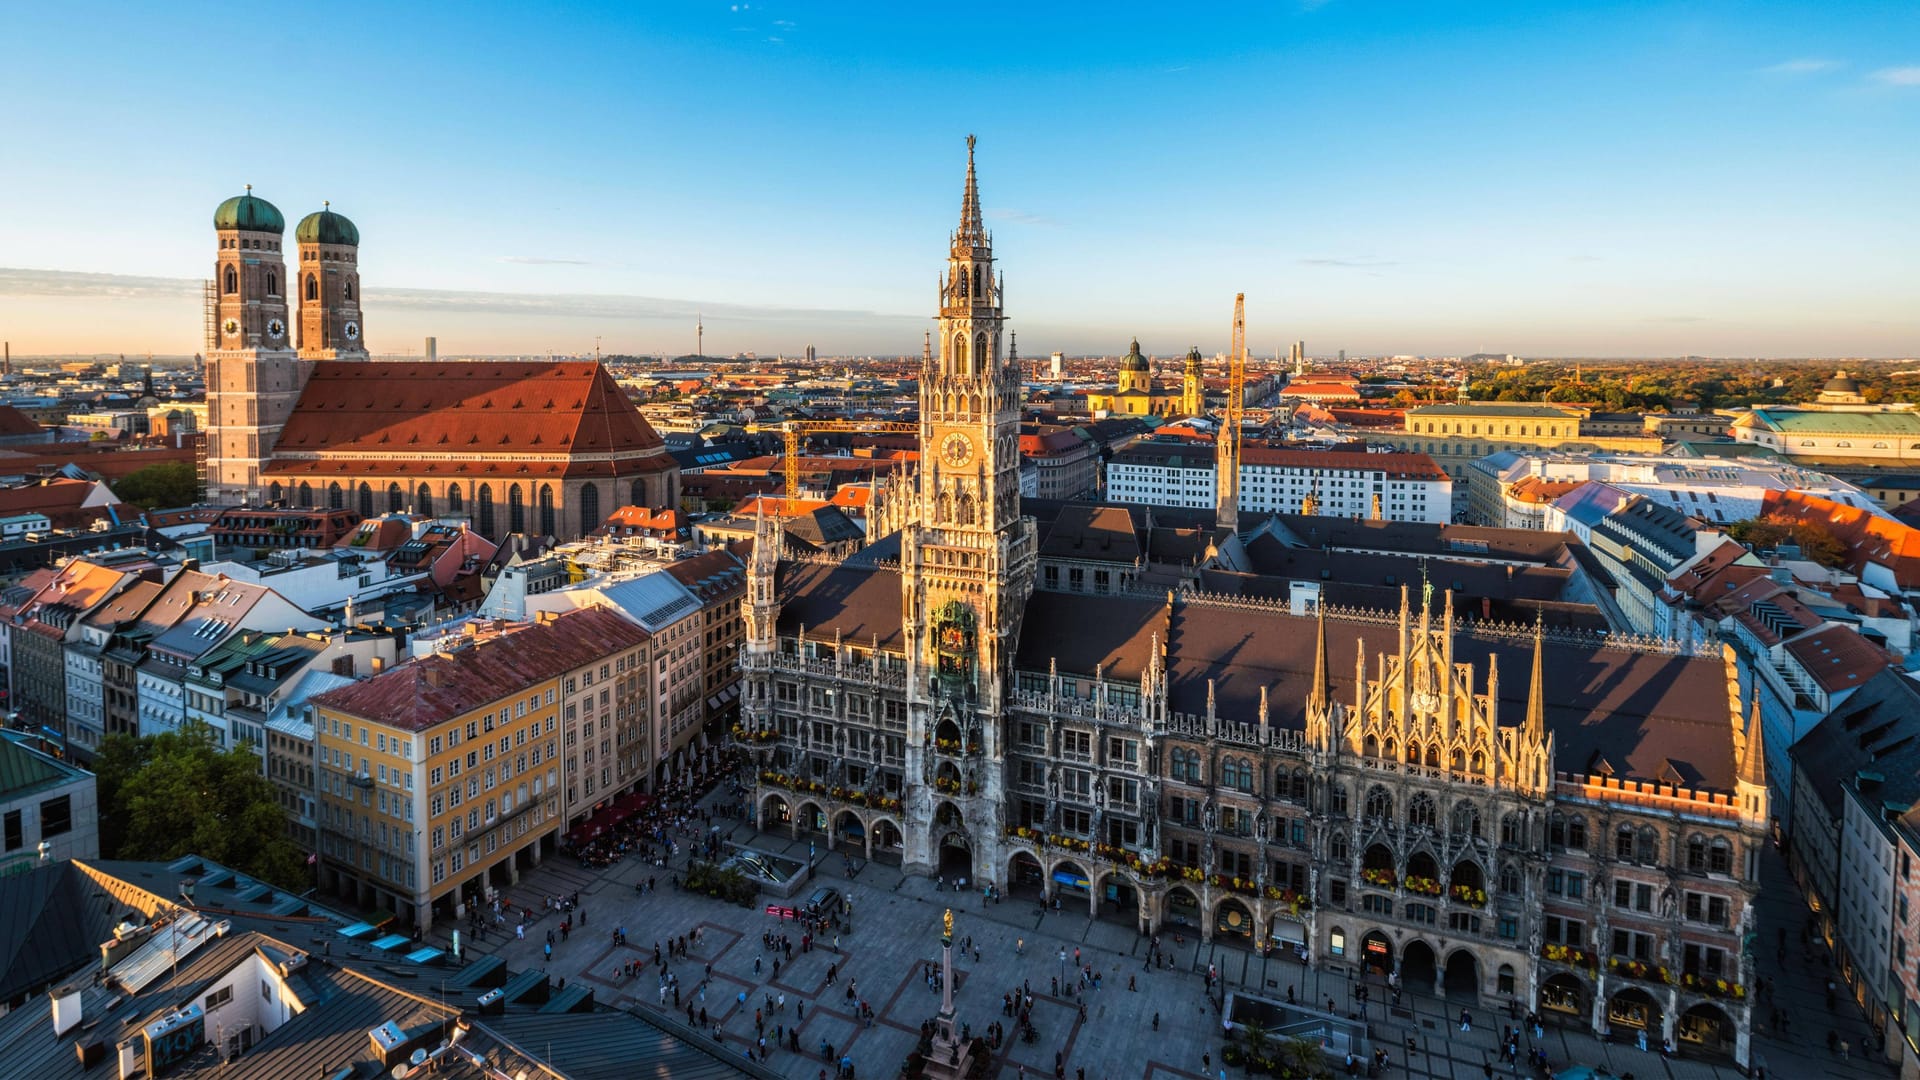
(1600, 180)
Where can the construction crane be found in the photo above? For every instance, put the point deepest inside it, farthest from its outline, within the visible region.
(1227, 475)
(792, 430)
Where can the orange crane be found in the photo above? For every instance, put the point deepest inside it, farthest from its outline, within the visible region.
(1227, 475)
(792, 430)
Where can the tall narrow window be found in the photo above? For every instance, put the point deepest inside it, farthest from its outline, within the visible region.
(516, 510)
(313, 287)
(546, 510)
(485, 516)
(590, 518)
(232, 283)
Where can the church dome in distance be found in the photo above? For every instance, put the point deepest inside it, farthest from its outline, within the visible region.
(1842, 383)
(1133, 361)
(1193, 355)
(249, 212)
(327, 227)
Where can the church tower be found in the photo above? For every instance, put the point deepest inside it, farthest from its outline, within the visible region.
(1193, 387)
(330, 326)
(253, 375)
(967, 562)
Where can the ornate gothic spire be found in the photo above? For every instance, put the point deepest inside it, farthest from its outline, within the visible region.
(1318, 697)
(971, 233)
(1536, 726)
(1753, 758)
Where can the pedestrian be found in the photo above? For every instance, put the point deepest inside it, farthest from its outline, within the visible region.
(1156, 1021)
(1019, 946)
(1206, 1061)
(1466, 1020)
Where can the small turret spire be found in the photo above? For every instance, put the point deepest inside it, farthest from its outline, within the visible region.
(1536, 724)
(1753, 758)
(1318, 697)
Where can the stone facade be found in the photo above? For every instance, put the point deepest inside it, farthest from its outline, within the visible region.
(1590, 851)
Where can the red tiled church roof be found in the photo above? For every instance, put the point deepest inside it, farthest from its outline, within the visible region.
(479, 409)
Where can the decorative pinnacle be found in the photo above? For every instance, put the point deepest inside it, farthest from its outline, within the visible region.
(249, 189)
(970, 232)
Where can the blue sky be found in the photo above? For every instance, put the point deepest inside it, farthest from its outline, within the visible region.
(1428, 177)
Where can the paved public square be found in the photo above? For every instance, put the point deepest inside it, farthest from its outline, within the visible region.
(895, 931)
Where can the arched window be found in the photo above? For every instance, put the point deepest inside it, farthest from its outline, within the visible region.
(1433, 755)
(1466, 819)
(1420, 812)
(1513, 831)
(1337, 800)
(1297, 786)
(1230, 772)
(336, 497)
(1337, 845)
(1509, 878)
(516, 510)
(1646, 848)
(396, 499)
(1576, 832)
(960, 353)
(1623, 843)
(590, 517)
(1246, 775)
(366, 500)
(231, 284)
(348, 289)
(1370, 746)
(274, 492)
(1413, 753)
(1387, 749)
(1479, 761)
(455, 504)
(546, 510)
(1697, 853)
(1379, 805)
(1459, 760)
(982, 355)
(639, 494)
(1177, 764)
(313, 287)
(976, 282)
(484, 519)
(306, 495)
(273, 284)
(423, 501)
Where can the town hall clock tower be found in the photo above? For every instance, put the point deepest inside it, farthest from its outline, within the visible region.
(967, 565)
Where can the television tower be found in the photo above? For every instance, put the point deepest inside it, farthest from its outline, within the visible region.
(699, 337)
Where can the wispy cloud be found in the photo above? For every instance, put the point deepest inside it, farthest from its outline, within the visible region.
(1898, 76)
(1020, 217)
(1354, 262)
(541, 260)
(1805, 65)
(60, 284)
(1175, 70)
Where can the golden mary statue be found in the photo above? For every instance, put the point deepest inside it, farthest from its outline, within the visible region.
(947, 919)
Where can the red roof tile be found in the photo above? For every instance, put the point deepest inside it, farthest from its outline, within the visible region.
(365, 415)
(1410, 466)
(433, 689)
(1868, 537)
(1838, 658)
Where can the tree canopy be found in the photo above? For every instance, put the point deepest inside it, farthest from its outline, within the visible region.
(1816, 544)
(179, 793)
(170, 483)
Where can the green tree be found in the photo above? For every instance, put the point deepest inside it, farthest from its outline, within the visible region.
(171, 483)
(180, 793)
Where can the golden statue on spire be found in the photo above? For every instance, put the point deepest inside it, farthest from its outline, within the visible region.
(947, 919)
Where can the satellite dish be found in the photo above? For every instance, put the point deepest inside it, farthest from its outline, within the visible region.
(400, 1071)
(419, 1057)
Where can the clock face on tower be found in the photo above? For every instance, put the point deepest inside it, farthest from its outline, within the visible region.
(352, 330)
(231, 327)
(957, 450)
(276, 329)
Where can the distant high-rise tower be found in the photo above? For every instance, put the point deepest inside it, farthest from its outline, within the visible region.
(1055, 365)
(809, 356)
(330, 327)
(253, 375)
(699, 337)
(433, 349)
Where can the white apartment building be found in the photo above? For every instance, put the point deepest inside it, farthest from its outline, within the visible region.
(1336, 483)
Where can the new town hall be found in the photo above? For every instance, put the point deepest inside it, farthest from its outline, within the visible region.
(1581, 837)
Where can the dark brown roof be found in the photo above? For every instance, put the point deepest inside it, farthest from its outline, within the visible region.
(13, 422)
(1091, 531)
(1838, 658)
(860, 603)
(1652, 716)
(366, 413)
